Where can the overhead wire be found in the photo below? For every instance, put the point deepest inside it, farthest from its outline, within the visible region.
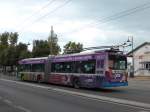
(48, 14)
(116, 16)
(126, 13)
(37, 12)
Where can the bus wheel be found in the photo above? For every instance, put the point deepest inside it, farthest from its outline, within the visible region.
(76, 83)
(39, 78)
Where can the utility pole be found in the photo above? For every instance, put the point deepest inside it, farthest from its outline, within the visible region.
(132, 55)
(132, 44)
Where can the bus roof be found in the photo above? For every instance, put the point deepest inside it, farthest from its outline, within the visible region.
(33, 60)
(67, 57)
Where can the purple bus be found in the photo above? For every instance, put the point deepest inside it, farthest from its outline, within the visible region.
(98, 69)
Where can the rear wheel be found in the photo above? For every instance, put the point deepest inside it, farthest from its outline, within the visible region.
(76, 83)
(39, 78)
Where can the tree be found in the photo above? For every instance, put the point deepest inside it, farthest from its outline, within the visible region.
(3, 46)
(4, 40)
(13, 38)
(40, 48)
(10, 51)
(22, 51)
(72, 47)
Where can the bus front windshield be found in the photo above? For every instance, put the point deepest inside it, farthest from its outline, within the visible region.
(117, 62)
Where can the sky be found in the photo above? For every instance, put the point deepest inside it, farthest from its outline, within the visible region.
(90, 22)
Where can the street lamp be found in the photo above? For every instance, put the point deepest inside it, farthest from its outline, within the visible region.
(130, 40)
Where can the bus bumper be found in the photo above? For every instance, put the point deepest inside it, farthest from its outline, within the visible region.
(115, 84)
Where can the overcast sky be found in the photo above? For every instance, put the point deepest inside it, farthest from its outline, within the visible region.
(84, 21)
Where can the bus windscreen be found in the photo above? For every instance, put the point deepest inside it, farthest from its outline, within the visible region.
(117, 62)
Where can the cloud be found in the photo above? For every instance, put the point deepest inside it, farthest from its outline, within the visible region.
(71, 22)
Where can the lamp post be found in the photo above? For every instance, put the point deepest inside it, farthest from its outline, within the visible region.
(130, 40)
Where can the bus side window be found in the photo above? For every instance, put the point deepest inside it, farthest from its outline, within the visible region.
(38, 67)
(88, 66)
(57, 67)
(68, 67)
(26, 68)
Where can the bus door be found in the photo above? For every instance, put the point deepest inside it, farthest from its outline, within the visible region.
(117, 65)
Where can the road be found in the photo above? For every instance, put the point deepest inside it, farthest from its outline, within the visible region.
(16, 96)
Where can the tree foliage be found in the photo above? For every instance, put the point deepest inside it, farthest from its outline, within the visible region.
(40, 48)
(46, 47)
(72, 47)
(22, 51)
(13, 38)
(11, 52)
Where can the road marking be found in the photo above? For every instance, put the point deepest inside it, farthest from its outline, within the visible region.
(91, 96)
(143, 111)
(107, 99)
(23, 109)
(10, 103)
(7, 102)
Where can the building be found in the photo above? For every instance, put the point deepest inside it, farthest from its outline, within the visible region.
(141, 59)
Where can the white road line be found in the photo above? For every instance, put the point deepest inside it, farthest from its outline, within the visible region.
(107, 99)
(23, 109)
(91, 96)
(143, 111)
(7, 102)
(10, 103)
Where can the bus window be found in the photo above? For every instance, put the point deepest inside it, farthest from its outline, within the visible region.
(117, 62)
(68, 67)
(88, 66)
(57, 67)
(25, 68)
(37, 67)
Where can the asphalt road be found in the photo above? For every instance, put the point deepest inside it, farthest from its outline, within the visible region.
(17, 97)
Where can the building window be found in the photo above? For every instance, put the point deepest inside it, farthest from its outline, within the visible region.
(146, 66)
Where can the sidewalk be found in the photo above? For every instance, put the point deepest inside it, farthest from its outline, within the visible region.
(8, 76)
(140, 78)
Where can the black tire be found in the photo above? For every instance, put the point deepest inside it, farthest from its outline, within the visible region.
(76, 83)
(39, 79)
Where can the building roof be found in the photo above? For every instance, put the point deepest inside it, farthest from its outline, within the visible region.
(137, 48)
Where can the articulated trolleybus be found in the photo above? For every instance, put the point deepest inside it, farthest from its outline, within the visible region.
(98, 69)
